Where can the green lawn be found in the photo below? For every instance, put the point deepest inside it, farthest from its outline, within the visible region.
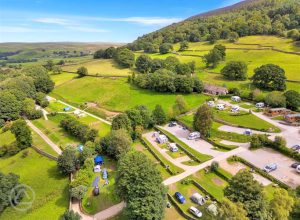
(244, 119)
(118, 95)
(41, 144)
(41, 174)
(108, 196)
(6, 138)
(55, 106)
(102, 67)
(62, 78)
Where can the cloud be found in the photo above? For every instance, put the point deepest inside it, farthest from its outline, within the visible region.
(16, 29)
(141, 20)
(58, 21)
(87, 29)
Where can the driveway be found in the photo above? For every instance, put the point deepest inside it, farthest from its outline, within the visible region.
(198, 145)
(284, 172)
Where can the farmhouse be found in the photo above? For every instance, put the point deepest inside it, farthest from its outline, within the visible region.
(292, 118)
(272, 112)
(215, 90)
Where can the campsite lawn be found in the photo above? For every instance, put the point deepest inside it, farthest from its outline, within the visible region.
(118, 95)
(101, 67)
(50, 187)
(139, 147)
(108, 196)
(244, 119)
(6, 138)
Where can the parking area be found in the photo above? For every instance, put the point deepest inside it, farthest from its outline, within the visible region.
(199, 145)
(261, 157)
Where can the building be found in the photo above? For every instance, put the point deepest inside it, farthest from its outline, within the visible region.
(292, 118)
(272, 112)
(162, 139)
(215, 90)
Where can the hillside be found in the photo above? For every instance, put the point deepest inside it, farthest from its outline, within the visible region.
(255, 17)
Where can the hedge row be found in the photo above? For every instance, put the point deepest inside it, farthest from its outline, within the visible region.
(261, 172)
(222, 173)
(186, 148)
(221, 146)
(179, 209)
(146, 144)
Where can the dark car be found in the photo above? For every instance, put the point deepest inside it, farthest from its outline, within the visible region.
(296, 147)
(180, 197)
(172, 124)
(294, 165)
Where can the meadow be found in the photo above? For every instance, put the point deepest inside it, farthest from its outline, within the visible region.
(50, 187)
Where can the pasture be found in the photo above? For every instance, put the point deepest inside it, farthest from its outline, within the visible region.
(50, 187)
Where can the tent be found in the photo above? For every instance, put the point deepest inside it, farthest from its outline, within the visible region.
(67, 108)
(98, 160)
(96, 181)
(80, 147)
(97, 169)
(104, 174)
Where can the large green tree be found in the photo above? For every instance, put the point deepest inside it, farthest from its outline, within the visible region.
(22, 134)
(270, 77)
(143, 64)
(124, 57)
(281, 205)
(275, 99)
(67, 161)
(121, 121)
(82, 71)
(165, 48)
(159, 116)
(10, 107)
(292, 99)
(139, 183)
(203, 120)
(232, 211)
(235, 70)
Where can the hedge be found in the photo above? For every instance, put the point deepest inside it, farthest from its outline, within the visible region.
(187, 149)
(223, 174)
(162, 161)
(261, 172)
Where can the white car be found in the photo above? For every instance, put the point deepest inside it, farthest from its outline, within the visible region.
(195, 211)
(298, 169)
(270, 167)
(194, 135)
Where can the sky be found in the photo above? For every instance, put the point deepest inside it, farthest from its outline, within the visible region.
(93, 20)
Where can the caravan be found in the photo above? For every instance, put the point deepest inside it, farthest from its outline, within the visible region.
(194, 135)
(235, 108)
(173, 147)
(220, 106)
(260, 105)
(236, 98)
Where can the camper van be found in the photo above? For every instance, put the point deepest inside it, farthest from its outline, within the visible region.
(198, 199)
(220, 106)
(173, 147)
(194, 135)
(260, 105)
(211, 103)
(235, 108)
(235, 98)
(161, 139)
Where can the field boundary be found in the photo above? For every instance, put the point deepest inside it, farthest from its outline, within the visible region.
(43, 153)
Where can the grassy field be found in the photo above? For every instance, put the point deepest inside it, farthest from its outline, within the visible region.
(108, 196)
(118, 95)
(244, 119)
(62, 78)
(41, 175)
(102, 67)
(6, 138)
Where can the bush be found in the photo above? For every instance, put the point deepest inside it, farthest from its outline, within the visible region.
(214, 166)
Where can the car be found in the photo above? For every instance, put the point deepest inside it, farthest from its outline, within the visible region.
(195, 212)
(172, 124)
(270, 167)
(180, 197)
(194, 135)
(295, 165)
(298, 169)
(296, 147)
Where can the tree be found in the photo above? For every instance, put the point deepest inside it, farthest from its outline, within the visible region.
(275, 99)
(70, 215)
(56, 70)
(198, 85)
(203, 120)
(180, 105)
(143, 192)
(143, 64)
(49, 65)
(82, 71)
(281, 205)
(67, 161)
(184, 45)
(159, 116)
(270, 77)
(294, 34)
(135, 117)
(221, 49)
(10, 107)
(232, 211)
(170, 63)
(41, 99)
(146, 114)
(292, 99)
(124, 57)
(7, 184)
(233, 37)
(212, 58)
(29, 109)
(214, 166)
(78, 192)
(244, 189)
(117, 143)
(235, 70)
(183, 69)
(165, 48)
(22, 134)
(121, 121)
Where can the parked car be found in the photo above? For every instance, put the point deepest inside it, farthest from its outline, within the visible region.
(270, 167)
(260, 105)
(296, 147)
(195, 211)
(248, 132)
(194, 135)
(172, 124)
(295, 165)
(211, 103)
(180, 197)
(298, 169)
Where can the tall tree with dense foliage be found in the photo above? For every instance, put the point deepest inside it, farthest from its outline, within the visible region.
(184, 45)
(22, 134)
(180, 105)
(67, 161)
(124, 57)
(165, 48)
(292, 99)
(281, 205)
(70, 215)
(269, 77)
(203, 120)
(139, 183)
(233, 37)
(117, 143)
(10, 107)
(7, 183)
(213, 58)
(275, 99)
(143, 64)
(244, 189)
(121, 121)
(235, 70)
(232, 211)
(82, 71)
(159, 116)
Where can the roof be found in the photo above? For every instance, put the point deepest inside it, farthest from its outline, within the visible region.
(278, 109)
(293, 115)
(197, 196)
(214, 88)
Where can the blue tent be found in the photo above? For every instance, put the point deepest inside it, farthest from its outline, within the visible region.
(67, 109)
(98, 160)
